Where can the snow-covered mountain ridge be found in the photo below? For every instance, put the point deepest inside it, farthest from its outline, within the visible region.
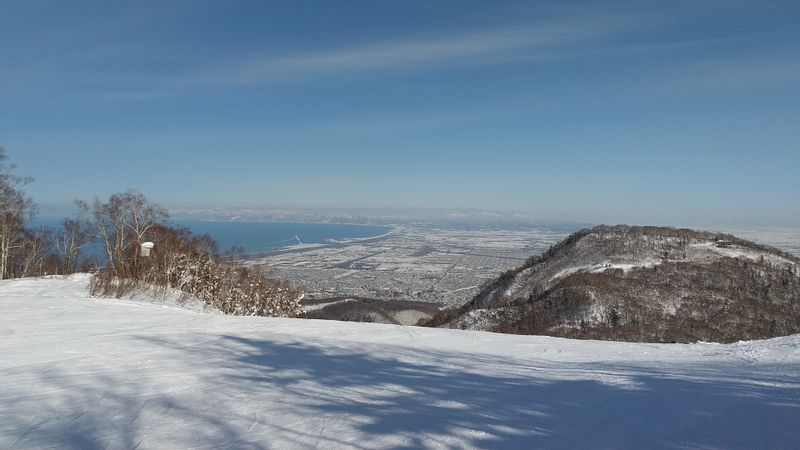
(80, 372)
(651, 284)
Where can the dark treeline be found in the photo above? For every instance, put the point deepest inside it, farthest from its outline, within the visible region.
(141, 252)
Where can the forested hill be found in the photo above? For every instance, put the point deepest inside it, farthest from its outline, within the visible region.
(650, 284)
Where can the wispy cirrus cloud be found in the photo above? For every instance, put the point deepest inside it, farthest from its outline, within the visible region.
(124, 71)
(130, 74)
(512, 43)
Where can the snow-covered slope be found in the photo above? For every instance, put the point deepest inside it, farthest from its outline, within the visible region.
(77, 372)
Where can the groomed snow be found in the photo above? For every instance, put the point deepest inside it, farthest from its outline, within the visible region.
(77, 372)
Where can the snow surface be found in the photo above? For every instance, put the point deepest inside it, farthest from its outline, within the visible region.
(606, 265)
(743, 252)
(79, 372)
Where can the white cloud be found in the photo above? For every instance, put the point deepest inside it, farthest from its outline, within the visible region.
(473, 48)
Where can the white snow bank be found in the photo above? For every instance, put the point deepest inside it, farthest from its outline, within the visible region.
(602, 267)
(77, 372)
(743, 252)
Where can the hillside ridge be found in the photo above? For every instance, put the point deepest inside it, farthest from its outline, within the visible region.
(642, 283)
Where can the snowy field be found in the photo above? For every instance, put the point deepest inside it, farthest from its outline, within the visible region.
(431, 264)
(77, 372)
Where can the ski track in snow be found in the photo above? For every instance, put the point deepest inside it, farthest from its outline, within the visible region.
(80, 372)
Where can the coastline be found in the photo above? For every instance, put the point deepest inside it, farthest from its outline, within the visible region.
(339, 243)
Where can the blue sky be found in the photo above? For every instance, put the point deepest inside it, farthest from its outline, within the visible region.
(663, 112)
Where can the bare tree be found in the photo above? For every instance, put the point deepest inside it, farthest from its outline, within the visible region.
(68, 241)
(34, 253)
(16, 209)
(121, 225)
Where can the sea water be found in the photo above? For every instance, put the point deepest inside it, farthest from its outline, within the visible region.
(259, 237)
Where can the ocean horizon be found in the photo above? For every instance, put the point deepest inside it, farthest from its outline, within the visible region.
(262, 237)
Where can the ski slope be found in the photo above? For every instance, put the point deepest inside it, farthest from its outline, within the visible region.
(80, 372)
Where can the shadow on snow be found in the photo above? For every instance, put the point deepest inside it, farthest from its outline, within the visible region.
(259, 393)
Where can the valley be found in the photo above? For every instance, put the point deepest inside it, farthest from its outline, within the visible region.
(419, 263)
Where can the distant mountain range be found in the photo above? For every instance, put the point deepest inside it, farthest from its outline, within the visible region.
(642, 284)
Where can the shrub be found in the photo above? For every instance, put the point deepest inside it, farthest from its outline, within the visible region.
(186, 262)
